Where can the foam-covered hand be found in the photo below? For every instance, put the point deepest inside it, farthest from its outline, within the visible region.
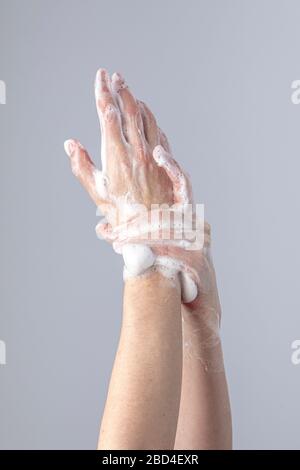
(129, 134)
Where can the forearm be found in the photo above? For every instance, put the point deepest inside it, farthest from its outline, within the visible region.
(204, 417)
(142, 405)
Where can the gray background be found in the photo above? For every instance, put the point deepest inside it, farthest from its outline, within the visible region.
(218, 76)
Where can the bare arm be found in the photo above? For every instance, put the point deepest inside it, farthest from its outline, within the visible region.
(142, 405)
(204, 417)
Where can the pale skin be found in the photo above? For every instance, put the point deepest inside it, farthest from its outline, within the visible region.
(204, 416)
(142, 406)
(168, 386)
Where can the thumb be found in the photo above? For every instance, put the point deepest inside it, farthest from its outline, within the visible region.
(92, 179)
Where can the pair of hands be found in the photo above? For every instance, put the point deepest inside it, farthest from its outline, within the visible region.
(129, 136)
(138, 168)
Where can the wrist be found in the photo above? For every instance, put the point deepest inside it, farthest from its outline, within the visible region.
(150, 294)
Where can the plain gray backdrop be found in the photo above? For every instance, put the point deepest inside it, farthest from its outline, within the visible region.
(217, 75)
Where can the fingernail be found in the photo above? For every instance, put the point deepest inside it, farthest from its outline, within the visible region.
(98, 81)
(118, 81)
(118, 76)
(69, 146)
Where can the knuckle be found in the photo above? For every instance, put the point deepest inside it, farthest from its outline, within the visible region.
(110, 112)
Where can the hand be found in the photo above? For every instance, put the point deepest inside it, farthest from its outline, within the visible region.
(138, 168)
(129, 135)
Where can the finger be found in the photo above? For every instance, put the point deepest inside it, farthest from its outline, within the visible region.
(103, 92)
(108, 111)
(85, 171)
(181, 186)
(104, 231)
(153, 134)
(132, 119)
(151, 129)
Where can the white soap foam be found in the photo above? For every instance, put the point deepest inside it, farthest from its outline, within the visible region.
(137, 258)
(189, 288)
(100, 183)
